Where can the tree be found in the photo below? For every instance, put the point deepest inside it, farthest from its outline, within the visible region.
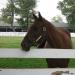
(8, 13)
(20, 8)
(57, 19)
(67, 8)
(23, 8)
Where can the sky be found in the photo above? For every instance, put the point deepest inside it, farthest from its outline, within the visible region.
(3, 3)
(48, 8)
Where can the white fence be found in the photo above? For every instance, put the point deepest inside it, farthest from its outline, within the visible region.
(20, 34)
(72, 34)
(13, 33)
(37, 53)
(34, 71)
(34, 53)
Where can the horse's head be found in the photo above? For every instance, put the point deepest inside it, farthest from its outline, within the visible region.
(34, 33)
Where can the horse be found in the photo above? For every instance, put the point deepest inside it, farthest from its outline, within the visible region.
(46, 35)
(41, 42)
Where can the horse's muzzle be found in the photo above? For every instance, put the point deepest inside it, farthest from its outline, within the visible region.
(24, 47)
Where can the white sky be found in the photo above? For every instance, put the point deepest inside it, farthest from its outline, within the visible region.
(48, 8)
(3, 3)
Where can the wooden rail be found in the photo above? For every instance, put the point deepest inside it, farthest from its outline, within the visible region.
(37, 53)
(33, 71)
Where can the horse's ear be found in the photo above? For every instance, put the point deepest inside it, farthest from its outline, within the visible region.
(35, 17)
(40, 17)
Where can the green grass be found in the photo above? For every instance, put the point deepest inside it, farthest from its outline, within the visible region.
(14, 42)
(73, 42)
(10, 42)
(22, 63)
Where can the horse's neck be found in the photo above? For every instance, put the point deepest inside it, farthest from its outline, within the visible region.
(52, 37)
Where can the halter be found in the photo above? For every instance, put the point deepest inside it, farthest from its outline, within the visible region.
(44, 29)
(43, 35)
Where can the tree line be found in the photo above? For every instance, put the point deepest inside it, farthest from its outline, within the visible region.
(20, 8)
(67, 7)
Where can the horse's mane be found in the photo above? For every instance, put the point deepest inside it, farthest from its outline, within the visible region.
(55, 35)
(51, 28)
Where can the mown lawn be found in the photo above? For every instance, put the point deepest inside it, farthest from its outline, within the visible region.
(14, 42)
(73, 42)
(10, 42)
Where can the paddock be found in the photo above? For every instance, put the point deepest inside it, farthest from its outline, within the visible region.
(34, 53)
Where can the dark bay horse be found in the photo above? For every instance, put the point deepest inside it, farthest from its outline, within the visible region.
(46, 35)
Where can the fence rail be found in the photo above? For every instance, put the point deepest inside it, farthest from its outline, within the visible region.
(37, 53)
(34, 71)
(20, 34)
(34, 53)
(13, 33)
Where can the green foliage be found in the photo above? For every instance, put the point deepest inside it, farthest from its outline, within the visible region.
(6, 13)
(67, 8)
(23, 8)
(57, 19)
(20, 8)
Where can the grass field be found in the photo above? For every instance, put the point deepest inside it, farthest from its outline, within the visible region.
(10, 42)
(14, 42)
